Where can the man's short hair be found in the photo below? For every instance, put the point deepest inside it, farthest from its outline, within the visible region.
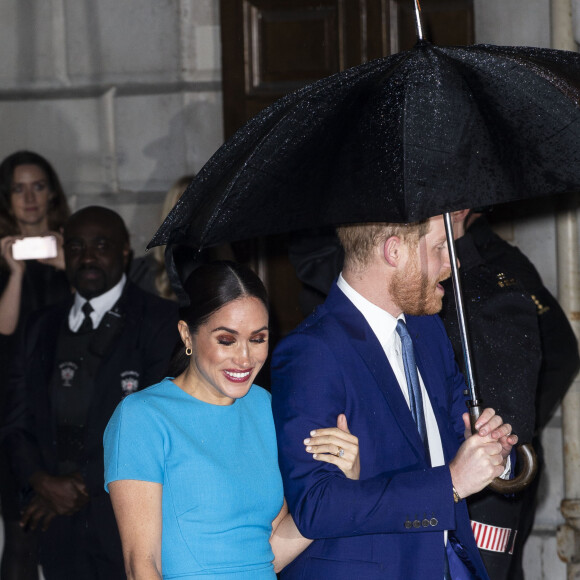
(102, 214)
(359, 240)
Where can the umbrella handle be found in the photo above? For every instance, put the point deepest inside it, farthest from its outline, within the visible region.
(527, 462)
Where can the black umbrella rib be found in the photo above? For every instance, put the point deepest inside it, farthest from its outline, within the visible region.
(568, 84)
(312, 93)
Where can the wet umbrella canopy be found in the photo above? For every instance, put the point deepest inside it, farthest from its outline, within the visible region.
(398, 139)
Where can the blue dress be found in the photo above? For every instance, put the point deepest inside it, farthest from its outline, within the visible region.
(219, 469)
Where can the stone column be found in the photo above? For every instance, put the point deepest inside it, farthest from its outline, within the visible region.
(568, 535)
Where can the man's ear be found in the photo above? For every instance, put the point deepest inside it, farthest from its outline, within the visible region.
(392, 250)
(459, 216)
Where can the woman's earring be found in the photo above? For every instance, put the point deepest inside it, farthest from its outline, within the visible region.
(188, 351)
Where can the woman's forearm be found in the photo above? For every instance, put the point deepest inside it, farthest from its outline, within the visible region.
(287, 542)
(137, 506)
(331, 445)
(141, 569)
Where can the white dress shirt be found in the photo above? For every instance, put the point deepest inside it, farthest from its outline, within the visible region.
(101, 305)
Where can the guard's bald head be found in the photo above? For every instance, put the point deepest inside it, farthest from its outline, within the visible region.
(103, 216)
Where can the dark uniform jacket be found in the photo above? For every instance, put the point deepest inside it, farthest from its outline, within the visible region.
(136, 357)
(42, 286)
(503, 329)
(560, 359)
(525, 356)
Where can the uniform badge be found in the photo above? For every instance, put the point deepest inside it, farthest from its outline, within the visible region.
(129, 382)
(67, 373)
(503, 281)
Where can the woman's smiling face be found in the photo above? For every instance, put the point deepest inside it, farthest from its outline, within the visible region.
(228, 351)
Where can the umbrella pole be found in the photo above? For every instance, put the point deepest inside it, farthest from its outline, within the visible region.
(526, 455)
(418, 20)
(474, 403)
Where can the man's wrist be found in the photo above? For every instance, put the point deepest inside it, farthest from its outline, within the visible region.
(456, 497)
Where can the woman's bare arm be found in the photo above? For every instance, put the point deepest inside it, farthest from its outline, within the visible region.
(137, 506)
(286, 541)
(324, 445)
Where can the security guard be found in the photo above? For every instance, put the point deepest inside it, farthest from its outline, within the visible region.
(525, 358)
(77, 360)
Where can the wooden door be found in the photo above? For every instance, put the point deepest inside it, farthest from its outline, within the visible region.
(272, 47)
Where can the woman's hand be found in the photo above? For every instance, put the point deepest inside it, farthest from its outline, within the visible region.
(10, 296)
(58, 261)
(15, 266)
(336, 445)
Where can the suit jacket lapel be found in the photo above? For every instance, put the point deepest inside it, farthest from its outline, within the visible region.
(371, 352)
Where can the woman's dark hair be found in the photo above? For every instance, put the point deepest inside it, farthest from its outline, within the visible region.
(210, 287)
(58, 210)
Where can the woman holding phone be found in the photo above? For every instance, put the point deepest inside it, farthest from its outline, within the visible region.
(32, 203)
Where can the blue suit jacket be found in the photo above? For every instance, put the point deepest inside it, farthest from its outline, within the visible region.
(390, 523)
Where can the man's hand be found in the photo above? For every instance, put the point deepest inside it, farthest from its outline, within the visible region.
(481, 458)
(65, 494)
(490, 423)
(37, 513)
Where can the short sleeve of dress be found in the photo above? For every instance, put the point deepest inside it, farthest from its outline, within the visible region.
(134, 443)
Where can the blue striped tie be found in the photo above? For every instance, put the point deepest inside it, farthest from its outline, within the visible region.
(413, 384)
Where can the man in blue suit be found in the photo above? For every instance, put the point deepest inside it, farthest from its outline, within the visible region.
(405, 518)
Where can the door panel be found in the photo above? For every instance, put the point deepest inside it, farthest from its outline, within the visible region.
(272, 47)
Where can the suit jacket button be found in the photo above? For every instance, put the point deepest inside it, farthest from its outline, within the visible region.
(416, 524)
(408, 524)
(425, 523)
(434, 521)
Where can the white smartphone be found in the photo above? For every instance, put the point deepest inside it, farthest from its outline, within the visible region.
(35, 248)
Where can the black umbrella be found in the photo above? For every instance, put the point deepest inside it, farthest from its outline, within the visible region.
(399, 139)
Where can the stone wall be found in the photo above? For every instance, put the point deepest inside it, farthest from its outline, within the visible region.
(122, 97)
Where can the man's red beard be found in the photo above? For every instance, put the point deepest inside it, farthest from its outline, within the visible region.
(414, 293)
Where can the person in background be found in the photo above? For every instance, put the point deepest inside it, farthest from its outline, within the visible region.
(32, 203)
(525, 356)
(149, 271)
(76, 360)
(198, 494)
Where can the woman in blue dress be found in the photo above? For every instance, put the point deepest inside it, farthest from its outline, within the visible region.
(191, 463)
